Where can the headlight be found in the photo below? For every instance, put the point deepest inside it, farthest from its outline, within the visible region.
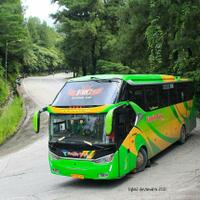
(104, 159)
(54, 156)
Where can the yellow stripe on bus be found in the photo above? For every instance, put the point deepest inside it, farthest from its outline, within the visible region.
(129, 141)
(190, 104)
(127, 145)
(147, 142)
(78, 110)
(168, 78)
(181, 110)
(91, 155)
(159, 142)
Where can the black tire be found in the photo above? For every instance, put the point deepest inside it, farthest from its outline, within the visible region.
(142, 160)
(183, 135)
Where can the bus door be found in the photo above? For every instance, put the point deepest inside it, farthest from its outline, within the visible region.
(124, 118)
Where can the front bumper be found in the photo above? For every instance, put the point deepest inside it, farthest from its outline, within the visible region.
(85, 169)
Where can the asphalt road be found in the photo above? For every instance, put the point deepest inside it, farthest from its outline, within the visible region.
(25, 175)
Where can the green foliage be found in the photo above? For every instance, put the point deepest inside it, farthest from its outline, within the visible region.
(33, 26)
(160, 36)
(132, 47)
(4, 92)
(95, 36)
(4, 89)
(30, 46)
(154, 36)
(81, 27)
(44, 52)
(12, 34)
(10, 118)
(106, 67)
(41, 59)
(89, 28)
(41, 34)
(1, 70)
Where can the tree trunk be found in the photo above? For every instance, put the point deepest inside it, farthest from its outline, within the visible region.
(94, 58)
(84, 69)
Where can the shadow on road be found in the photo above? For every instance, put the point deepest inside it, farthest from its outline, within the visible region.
(94, 184)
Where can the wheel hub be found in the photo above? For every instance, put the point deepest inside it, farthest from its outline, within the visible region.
(140, 160)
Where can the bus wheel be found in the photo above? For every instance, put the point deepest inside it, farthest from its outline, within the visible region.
(182, 135)
(142, 160)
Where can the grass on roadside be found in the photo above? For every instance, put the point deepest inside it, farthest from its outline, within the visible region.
(4, 91)
(10, 118)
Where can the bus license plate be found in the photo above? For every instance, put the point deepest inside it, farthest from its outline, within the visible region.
(77, 176)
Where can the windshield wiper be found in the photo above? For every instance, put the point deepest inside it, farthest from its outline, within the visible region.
(61, 139)
(92, 145)
(71, 140)
(74, 141)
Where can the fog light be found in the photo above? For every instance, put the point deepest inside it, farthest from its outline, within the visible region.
(56, 171)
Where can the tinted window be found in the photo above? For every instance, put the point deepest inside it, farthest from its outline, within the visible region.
(136, 95)
(180, 92)
(152, 96)
(185, 91)
(167, 95)
(163, 95)
(189, 91)
(172, 94)
(88, 93)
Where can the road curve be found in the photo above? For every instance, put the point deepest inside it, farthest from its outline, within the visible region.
(24, 173)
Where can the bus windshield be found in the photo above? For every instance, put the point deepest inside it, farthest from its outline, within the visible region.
(88, 93)
(78, 128)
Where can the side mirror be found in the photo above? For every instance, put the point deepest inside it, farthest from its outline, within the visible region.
(36, 122)
(109, 122)
(36, 119)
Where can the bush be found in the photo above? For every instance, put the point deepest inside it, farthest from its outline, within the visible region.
(195, 76)
(4, 91)
(10, 119)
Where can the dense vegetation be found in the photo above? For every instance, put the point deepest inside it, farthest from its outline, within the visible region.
(9, 118)
(26, 46)
(103, 36)
(43, 53)
(149, 36)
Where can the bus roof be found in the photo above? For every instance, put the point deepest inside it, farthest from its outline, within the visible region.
(136, 78)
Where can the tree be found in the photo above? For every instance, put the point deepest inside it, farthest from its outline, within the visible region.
(12, 35)
(82, 26)
(132, 45)
(44, 52)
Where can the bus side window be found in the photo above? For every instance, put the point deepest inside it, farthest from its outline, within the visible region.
(164, 95)
(167, 95)
(173, 94)
(180, 92)
(151, 97)
(185, 91)
(189, 90)
(136, 95)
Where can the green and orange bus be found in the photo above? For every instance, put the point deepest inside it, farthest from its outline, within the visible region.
(106, 126)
